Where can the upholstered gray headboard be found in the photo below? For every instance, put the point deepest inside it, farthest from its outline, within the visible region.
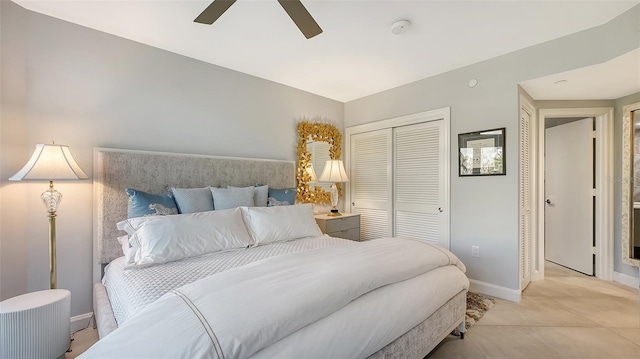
(115, 170)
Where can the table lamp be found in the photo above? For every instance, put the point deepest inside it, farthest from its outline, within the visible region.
(49, 163)
(312, 173)
(334, 172)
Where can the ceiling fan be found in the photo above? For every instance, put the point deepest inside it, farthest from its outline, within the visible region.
(297, 12)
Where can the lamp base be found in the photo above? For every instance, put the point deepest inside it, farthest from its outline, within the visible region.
(334, 212)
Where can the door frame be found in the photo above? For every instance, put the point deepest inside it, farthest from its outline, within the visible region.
(443, 114)
(604, 188)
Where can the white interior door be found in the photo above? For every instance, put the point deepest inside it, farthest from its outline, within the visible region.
(370, 182)
(569, 195)
(419, 195)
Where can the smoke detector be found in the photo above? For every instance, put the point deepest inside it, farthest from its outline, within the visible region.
(400, 27)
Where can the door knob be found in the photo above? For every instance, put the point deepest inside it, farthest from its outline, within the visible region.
(547, 201)
(353, 204)
(440, 209)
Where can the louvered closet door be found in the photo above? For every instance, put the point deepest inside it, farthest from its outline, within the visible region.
(419, 179)
(525, 198)
(370, 186)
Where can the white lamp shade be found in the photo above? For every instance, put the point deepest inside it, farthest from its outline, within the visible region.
(312, 173)
(50, 162)
(334, 172)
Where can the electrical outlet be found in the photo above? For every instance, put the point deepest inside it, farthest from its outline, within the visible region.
(475, 251)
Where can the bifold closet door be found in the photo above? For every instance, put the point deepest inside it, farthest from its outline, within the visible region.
(370, 185)
(419, 178)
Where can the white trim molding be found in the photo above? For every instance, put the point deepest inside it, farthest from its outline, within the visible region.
(513, 295)
(81, 321)
(625, 279)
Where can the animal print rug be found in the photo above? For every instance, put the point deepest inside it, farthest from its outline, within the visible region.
(477, 305)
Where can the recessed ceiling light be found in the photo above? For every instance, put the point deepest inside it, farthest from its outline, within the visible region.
(472, 83)
(400, 27)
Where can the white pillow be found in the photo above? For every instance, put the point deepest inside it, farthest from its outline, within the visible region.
(160, 239)
(225, 198)
(280, 223)
(128, 251)
(260, 195)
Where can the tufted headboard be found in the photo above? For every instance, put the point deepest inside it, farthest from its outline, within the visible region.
(155, 172)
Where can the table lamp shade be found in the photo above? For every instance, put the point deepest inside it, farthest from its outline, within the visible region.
(312, 173)
(334, 172)
(50, 162)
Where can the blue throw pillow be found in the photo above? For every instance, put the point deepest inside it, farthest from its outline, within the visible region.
(191, 200)
(260, 195)
(282, 197)
(146, 204)
(225, 198)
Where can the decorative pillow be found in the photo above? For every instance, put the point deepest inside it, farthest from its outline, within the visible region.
(280, 223)
(128, 251)
(191, 200)
(260, 195)
(225, 198)
(160, 239)
(146, 204)
(282, 197)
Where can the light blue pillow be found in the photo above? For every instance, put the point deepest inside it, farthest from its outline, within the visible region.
(192, 200)
(225, 198)
(147, 204)
(260, 195)
(282, 197)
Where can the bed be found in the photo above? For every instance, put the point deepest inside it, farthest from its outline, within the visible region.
(412, 313)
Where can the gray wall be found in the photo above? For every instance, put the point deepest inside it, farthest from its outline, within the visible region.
(13, 134)
(88, 89)
(484, 211)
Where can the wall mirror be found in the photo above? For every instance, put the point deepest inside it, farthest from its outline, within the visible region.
(631, 184)
(317, 143)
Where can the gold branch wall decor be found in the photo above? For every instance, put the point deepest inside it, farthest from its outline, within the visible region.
(315, 131)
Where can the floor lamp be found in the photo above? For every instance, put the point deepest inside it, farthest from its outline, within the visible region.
(334, 172)
(49, 163)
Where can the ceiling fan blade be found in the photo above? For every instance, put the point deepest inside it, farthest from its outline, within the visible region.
(214, 11)
(299, 14)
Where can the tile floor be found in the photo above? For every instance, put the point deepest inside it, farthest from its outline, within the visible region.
(568, 315)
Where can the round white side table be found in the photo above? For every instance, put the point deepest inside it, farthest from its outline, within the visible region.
(36, 325)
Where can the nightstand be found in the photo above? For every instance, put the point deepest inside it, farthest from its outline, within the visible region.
(36, 325)
(346, 226)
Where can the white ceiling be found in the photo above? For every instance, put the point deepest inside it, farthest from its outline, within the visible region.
(610, 80)
(356, 55)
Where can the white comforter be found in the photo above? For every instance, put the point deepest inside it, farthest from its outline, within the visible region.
(295, 305)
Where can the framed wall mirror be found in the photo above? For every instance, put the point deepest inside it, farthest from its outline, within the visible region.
(317, 143)
(631, 184)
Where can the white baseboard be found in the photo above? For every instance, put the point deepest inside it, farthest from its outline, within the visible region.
(626, 279)
(81, 321)
(493, 290)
